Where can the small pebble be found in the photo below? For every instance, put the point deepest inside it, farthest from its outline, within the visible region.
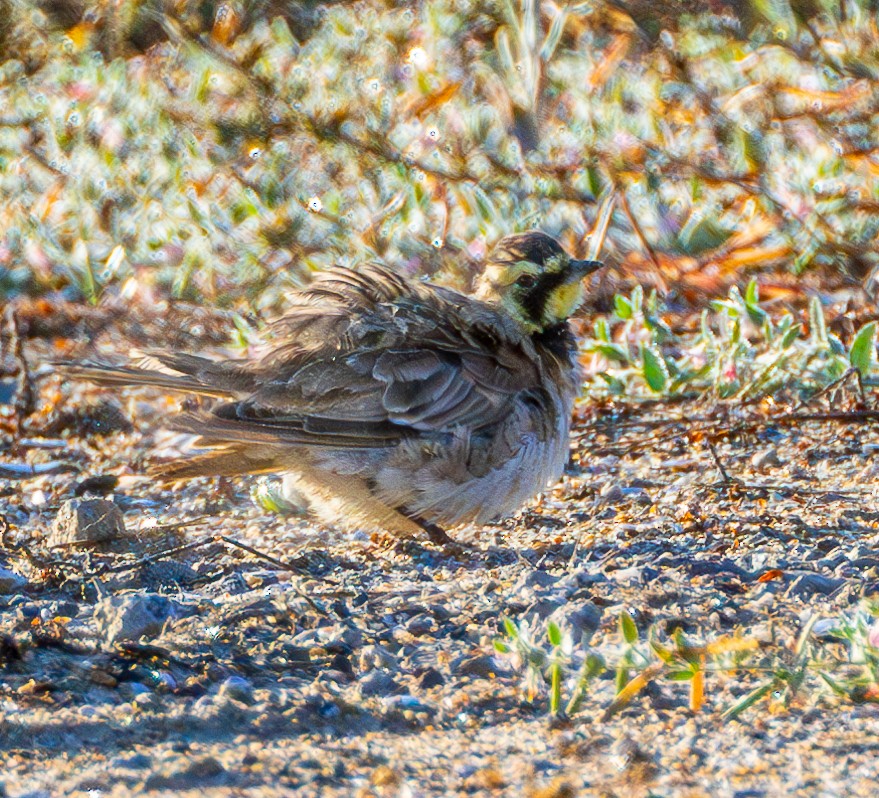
(765, 459)
(10, 581)
(378, 683)
(482, 666)
(421, 625)
(431, 678)
(88, 523)
(237, 688)
(206, 769)
(132, 616)
(375, 656)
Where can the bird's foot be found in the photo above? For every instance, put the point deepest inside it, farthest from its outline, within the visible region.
(415, 547)
(441, 539)
(437, 535)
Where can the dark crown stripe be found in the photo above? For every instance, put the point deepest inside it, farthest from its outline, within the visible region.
(535, 247)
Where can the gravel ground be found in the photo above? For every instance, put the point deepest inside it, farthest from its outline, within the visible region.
(161, 656)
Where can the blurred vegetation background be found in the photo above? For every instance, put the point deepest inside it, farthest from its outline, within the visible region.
(218, 151)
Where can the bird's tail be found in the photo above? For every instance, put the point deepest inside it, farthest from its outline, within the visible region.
(128, 375)
(235, 448)
(226, 462)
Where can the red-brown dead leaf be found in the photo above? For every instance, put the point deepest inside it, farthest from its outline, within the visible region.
(422, 105)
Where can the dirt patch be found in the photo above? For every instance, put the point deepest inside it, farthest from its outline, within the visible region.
(189, 664)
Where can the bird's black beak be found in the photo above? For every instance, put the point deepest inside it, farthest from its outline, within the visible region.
(580, 268)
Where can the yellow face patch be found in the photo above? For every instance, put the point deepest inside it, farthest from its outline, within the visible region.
(563, 302)
(515, 286)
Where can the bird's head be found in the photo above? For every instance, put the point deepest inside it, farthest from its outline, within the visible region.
(531, 278)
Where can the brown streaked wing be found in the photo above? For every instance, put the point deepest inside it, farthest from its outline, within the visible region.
(400, 355)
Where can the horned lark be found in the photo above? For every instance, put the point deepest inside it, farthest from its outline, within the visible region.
(397, 405)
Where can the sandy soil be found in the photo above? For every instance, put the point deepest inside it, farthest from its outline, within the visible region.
(175, 662)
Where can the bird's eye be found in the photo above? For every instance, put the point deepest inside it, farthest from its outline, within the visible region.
(526, 281)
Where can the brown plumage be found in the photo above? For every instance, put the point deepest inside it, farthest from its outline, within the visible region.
(394, 404)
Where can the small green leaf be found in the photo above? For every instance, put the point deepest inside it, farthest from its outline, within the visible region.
(655, 370)
(790, 336)
(594, 180)
(752, 293)
(424, 83)
(702, 234)
(754, 147)
(801, 649)
(756, 314)
(862, 354)
(593, 665)
(725, 306)
(611, 351)
(749, 700)
(637, 301)
(196, 213)
(484, 205)
(628, 629)
(736, 332)
(622, 306)
(554, 634)
(833, 684)
(804, 259)
(816, 321)
(665, 654)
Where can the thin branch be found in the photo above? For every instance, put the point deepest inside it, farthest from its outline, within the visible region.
(719, 463)
(645, 244)
(837, 383)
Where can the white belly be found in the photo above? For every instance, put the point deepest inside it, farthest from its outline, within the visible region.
(444, 491)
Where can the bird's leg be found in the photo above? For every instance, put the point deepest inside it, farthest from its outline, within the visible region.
(435, 533)
(411, 545)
